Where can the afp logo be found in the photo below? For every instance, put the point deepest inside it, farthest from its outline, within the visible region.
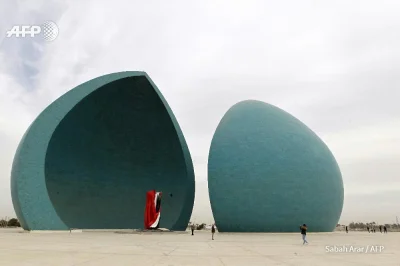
(48, 31)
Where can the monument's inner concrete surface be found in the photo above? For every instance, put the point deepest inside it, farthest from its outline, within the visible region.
(114, 145)
(110, 149)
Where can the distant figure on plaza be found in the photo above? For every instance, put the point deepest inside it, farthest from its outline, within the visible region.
(212, 231)
(384, 229)
(192, 228)
(380, 228)
(347, 230)
(303, 229)
(368, 229)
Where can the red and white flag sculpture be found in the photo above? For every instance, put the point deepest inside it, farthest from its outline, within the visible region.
(153, 209)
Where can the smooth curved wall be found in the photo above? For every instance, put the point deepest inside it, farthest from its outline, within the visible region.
(88, 160)
(268, 172)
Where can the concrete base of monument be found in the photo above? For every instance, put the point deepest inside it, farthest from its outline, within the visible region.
(149, 231)
(54, 231)
(161, 230)
(118, 231)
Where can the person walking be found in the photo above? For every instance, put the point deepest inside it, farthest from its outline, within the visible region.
(303, 229)
(347, 230)
(384, 229)
(380, 228)
(212, 231)
(368, 229)
(193, 228)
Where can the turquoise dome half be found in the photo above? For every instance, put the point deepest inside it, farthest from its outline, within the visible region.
(89, 158)
(268, 172)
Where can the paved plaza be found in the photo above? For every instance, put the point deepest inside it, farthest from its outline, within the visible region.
(170, 248)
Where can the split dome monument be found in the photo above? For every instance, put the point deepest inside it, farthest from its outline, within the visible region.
(89, 158)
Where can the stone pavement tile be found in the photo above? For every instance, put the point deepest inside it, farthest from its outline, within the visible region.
(307, 260)
(221, 251)
(189, 261)
(25, 258)
(11, 257)
(286, 250)
(250, 261)
(133, 249)
(121, 260)
(188, 245)
(55, 246)
(370, 259)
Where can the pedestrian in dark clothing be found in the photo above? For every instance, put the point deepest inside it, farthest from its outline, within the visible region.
(380, 228)
(385, 229)
(212, 231)
(368, 229)
(303, 230)
(193, 228)
(347, 229)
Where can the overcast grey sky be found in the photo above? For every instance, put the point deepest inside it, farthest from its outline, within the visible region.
(333, 64)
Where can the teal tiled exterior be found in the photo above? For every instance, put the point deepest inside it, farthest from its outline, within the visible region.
(268, 172)
(88, 159)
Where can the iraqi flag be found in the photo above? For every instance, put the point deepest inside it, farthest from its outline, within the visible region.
(153, 210)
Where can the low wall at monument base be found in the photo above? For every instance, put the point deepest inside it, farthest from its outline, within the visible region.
(54, 231)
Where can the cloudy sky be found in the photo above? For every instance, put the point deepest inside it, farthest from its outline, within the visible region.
(333, 64)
